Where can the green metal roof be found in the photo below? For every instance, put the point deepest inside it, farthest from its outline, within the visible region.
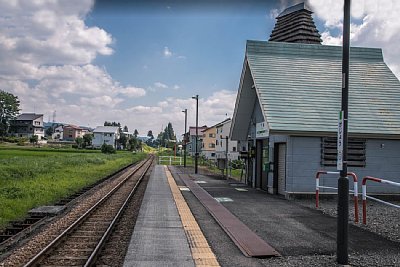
(299, 88)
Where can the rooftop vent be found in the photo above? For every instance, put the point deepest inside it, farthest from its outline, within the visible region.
(296, 25)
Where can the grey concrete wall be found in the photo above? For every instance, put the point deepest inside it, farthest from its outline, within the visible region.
(304, 160)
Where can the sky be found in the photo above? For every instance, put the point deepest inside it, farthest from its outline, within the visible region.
(140, 62)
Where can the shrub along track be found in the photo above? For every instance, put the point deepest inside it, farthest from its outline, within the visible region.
(25, 253)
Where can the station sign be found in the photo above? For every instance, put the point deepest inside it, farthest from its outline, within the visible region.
(262, 130)
(340, 142)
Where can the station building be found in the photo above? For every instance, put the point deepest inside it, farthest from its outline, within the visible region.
(287, 108)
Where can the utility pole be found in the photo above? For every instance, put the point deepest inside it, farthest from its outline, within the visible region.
(343, 181)
(196, 154)
(184, 139)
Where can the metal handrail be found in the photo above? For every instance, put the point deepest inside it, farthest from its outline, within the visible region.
(365, 196)
(355, 191)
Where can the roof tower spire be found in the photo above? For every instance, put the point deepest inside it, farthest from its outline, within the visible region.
(296, 25)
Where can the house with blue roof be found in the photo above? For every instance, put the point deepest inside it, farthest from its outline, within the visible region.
(288, 103)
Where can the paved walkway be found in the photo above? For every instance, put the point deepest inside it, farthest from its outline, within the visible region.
(158, 238)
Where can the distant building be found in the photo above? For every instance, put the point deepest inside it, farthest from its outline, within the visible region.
(105, 135)
(71, 132)
(190, 147)
(58, 133)
(27, 125)
(208, 143)
(222, 136)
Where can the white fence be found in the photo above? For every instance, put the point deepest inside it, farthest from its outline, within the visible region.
(170, 160)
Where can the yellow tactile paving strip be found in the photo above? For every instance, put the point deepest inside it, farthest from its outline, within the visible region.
(201, 251)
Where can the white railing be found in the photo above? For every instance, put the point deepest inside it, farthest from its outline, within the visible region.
(170, 160)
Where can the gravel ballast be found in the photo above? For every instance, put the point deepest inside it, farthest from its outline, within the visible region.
(381, 219)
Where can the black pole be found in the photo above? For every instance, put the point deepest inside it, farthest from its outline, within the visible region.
(184, 140)
(343, 182)
(226, 156)
(196, 154)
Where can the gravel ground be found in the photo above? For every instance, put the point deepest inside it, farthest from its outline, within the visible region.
(381, 219)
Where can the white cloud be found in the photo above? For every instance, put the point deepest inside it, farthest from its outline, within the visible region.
(378, 25)
(132, 91)
(167, 52)
(46, 55)
(105, 100)
(160, 85)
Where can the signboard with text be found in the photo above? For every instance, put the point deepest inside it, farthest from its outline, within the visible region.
(262, 130)
(340, 143)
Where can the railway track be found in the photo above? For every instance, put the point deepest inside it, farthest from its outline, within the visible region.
(81, 243)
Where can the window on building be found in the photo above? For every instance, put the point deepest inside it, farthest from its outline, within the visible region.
(216, 142)
(210, 135)
(212, 154)
(234, 149)
(211, 145)
(356, 155)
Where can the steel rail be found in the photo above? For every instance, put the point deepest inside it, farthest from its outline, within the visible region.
(39, 256)
(93, 256)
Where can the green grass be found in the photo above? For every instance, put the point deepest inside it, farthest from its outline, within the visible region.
(31, 177)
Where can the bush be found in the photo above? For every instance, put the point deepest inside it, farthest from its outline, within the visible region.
(21, 142)
(108, 149)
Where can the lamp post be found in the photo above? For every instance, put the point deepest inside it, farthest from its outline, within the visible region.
(343, 181)
(196, 154)
(184, 139)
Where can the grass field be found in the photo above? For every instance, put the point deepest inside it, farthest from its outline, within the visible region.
(31, 177)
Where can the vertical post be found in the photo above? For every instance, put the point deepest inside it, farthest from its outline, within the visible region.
(196, 154)
(226, 156)
(184, 140)
(343, 182)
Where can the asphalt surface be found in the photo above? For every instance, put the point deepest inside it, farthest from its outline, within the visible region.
(295, 231)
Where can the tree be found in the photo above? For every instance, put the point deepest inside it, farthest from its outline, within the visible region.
(126, 129)
(50, 131)
(87, 140)
(136, 133)
(150, 134)
(9, 108)
(34, 139)
(123, 139)
(170, 131)
(79, 141)
(133, 142)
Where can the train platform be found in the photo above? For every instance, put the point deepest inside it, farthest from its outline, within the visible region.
(159, 237)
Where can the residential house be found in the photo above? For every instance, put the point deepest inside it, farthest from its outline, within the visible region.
(222, 151)
(208, 143)
(105, 135)
(288, 105)
(27, 125)
(58, 133)
(71, 132)
(190, 146)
